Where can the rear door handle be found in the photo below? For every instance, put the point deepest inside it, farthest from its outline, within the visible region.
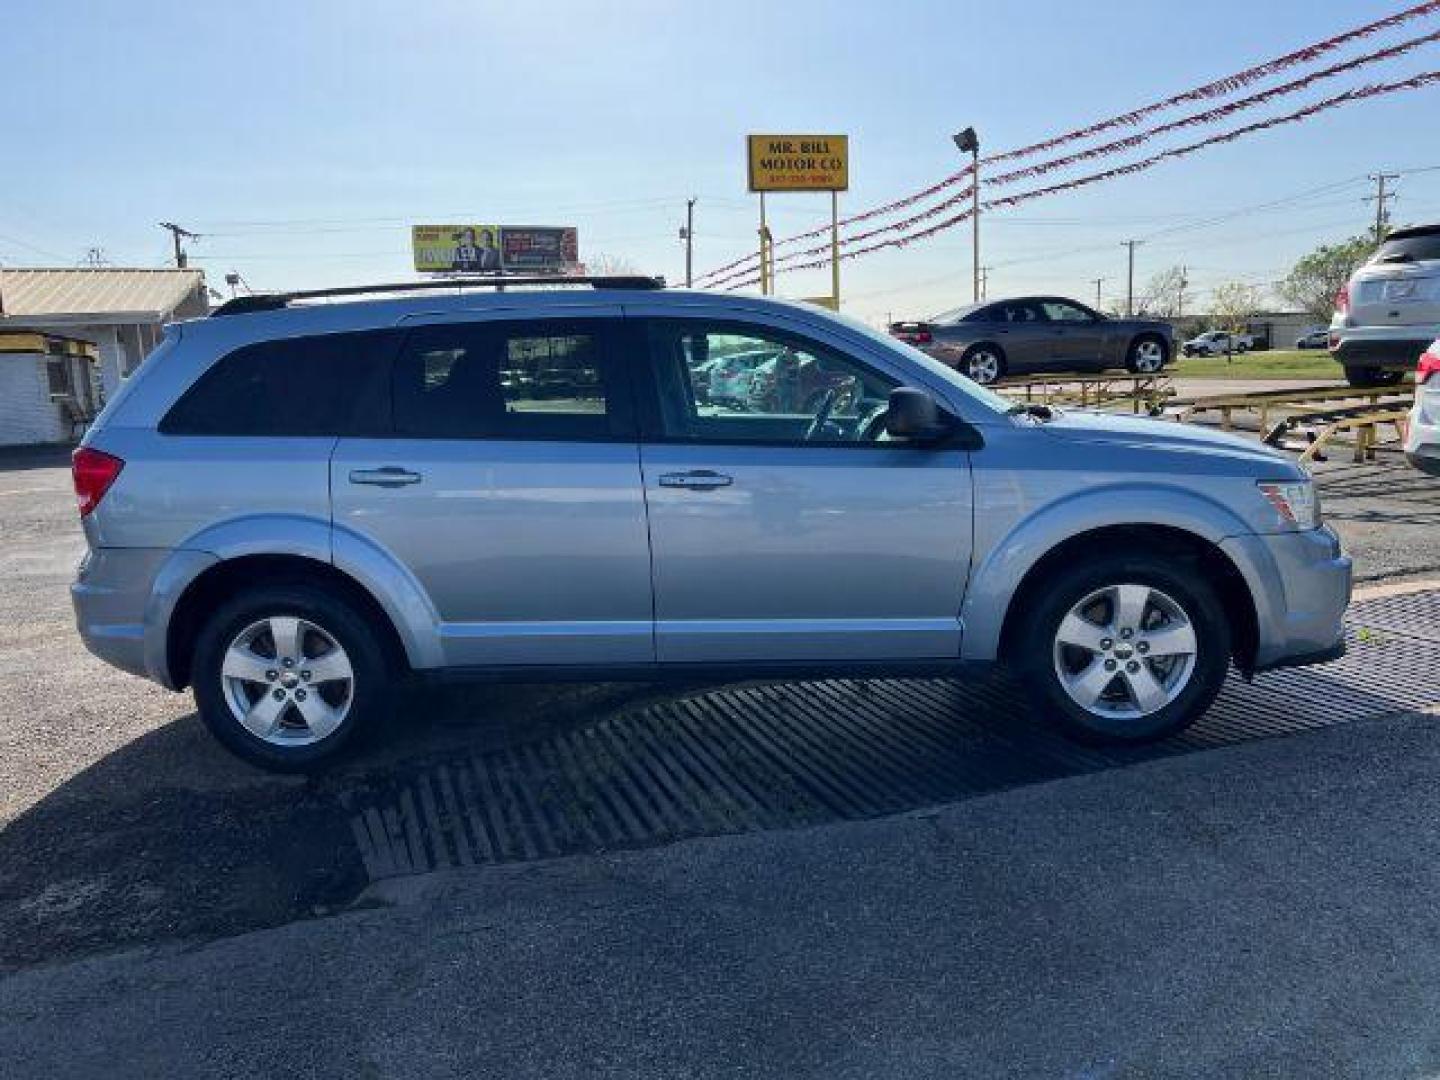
(696, 480)
(390, 476)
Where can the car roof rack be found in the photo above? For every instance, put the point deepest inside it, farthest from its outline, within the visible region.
(241, 305)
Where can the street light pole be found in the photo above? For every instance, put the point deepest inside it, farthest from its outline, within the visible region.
(968, 141)
(1098, 282)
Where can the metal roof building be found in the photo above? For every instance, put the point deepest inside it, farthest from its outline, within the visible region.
(120, 310)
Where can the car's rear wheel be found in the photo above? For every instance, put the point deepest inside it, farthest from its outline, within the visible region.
(985, 364)
(1124, 649)
(285, 675)
(1147, 355)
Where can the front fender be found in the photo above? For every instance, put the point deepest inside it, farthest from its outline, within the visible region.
(1000, 564)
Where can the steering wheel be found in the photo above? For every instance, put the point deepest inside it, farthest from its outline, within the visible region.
(872, 428)
(822, 414)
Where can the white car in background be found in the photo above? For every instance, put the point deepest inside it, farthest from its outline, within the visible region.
(1422, 441)
(1217, 343)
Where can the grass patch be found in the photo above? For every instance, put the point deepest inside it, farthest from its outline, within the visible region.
(1272, 364)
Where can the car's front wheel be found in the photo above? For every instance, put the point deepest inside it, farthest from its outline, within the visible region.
(1147, 355)
(1124, 649)
(285, 675)
(983, 363)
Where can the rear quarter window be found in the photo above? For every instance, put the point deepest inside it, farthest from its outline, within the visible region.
(330, 384)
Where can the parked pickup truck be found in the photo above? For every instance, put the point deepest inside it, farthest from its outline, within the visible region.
(1217, 343)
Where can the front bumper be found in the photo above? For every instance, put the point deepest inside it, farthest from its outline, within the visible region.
(1300, 582)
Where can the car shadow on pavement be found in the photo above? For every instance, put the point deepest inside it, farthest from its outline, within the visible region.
(168, 838)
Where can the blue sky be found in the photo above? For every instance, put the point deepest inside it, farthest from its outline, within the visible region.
(302, 138)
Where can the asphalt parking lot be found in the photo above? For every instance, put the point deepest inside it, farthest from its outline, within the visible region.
(122, 825)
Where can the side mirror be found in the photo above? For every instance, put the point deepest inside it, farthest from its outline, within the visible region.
(914, 414)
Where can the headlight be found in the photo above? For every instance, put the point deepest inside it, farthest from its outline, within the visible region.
(1294, 501)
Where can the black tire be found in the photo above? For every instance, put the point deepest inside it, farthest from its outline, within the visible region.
(1132, 358)
(973, 354)
(368, 696)
(1033, 651)
(1372, 376)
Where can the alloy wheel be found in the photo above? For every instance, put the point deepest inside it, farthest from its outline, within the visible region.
(287, 681)
(1149, 357)
(983, 366)
(1125, 651)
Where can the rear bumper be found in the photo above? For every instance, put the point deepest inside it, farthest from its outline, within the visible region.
(123, 599)
(1301, 586)
(1383, 346)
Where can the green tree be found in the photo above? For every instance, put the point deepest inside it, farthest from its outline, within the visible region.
(1315, 279)
(1232, 305)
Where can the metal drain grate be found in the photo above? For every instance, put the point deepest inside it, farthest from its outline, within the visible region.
(785, 755)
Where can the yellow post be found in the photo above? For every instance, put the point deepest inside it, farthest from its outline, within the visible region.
(835, 248)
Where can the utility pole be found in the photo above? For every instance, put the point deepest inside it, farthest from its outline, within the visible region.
(1382, 216)
(1097, 282)
(688, 235)
(984, 282)
(1180, 296)
(1130, 277)
(176, 232)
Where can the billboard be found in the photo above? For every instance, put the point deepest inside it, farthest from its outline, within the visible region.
(538, 250)
(799, 162)
(492, 249)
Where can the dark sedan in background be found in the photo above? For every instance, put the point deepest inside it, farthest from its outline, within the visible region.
(995, 338)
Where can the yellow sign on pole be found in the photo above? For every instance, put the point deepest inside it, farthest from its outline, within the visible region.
(799, 162)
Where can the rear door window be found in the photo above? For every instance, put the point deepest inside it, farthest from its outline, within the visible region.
(509, 380)
(324, 385)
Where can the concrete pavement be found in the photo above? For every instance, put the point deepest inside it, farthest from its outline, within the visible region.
(1264, 910)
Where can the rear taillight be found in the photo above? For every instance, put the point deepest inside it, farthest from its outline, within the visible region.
(93, 472)
(1429, 364)
(1342, 299)
(922, 337)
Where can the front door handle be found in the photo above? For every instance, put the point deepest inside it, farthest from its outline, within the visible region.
(696, 480)
(390, 476)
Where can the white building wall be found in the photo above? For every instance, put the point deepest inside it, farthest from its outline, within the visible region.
(27, 415)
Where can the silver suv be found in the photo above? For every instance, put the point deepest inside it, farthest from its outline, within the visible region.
(296, 508)
(1389, 311)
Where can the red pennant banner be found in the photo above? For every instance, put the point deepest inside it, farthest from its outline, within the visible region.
(1362, 93)
(1231, 83)
(747, 264)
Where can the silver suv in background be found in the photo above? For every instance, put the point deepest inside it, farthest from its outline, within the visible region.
(297, 508)
(1389, 310)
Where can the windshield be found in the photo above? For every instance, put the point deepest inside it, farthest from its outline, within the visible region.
(954, 315)
(972, 390)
